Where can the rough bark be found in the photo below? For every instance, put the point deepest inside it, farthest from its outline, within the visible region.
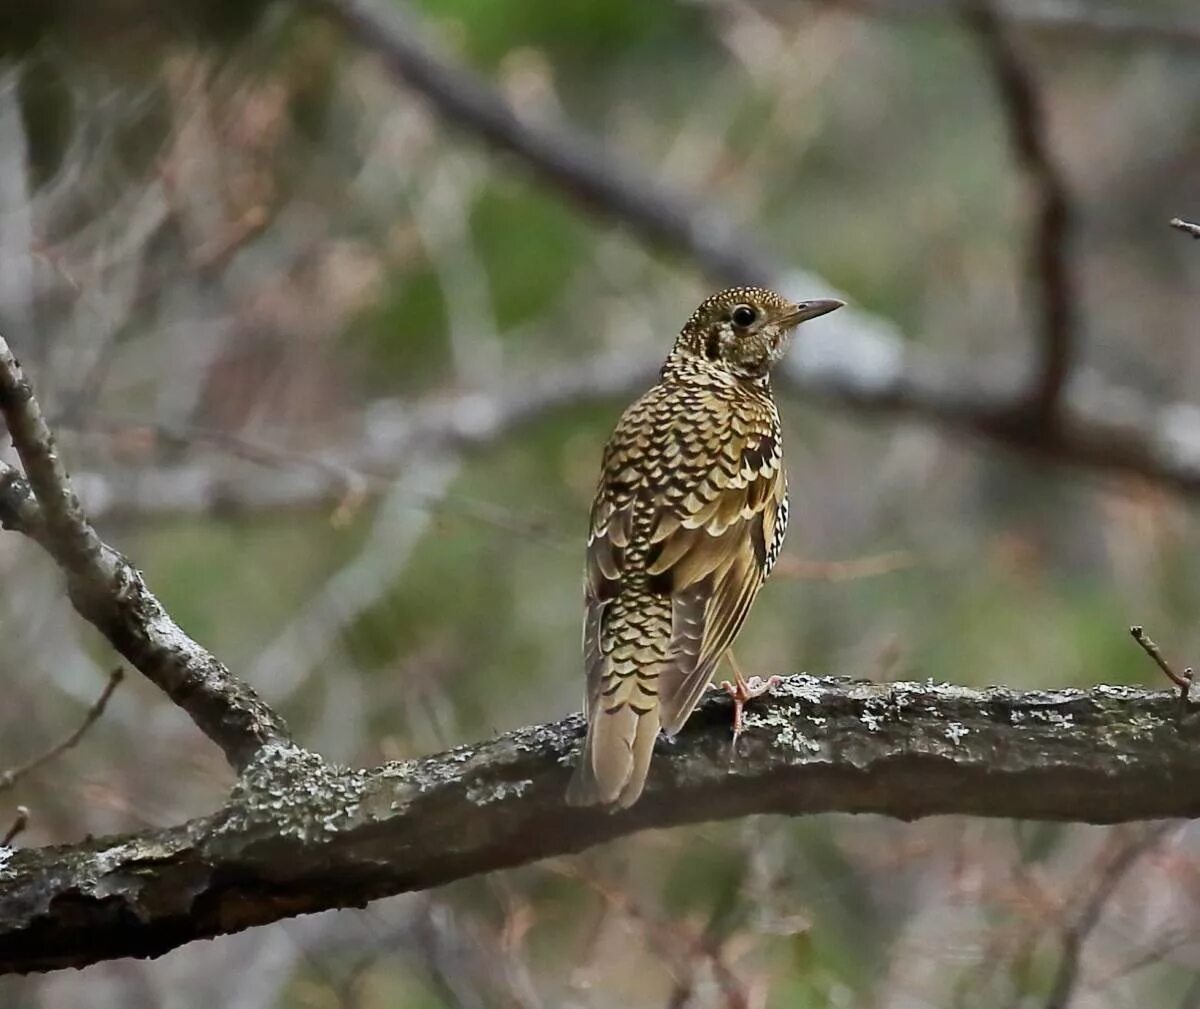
(299, 835)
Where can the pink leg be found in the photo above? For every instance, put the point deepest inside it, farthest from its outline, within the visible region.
(743, 691)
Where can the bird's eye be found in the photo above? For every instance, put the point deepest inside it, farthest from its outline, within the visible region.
(743, 316)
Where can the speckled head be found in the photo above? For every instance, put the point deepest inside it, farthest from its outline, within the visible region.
(744, 331)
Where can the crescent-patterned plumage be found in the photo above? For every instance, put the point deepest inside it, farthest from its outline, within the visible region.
(688, 520)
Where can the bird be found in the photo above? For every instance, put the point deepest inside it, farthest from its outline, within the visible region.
(687, 521)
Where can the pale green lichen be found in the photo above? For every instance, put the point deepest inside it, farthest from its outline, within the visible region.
(875, 712)
(291, 793)
(950, 691)
(787, 735)
(956, 732)
(482, 795)
(803, 688)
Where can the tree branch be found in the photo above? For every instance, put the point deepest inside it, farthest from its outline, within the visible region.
(109, 592)
(299, 835)
(1048, 267)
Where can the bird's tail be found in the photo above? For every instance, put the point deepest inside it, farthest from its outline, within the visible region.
(616, 756)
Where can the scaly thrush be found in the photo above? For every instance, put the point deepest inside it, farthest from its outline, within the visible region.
(686, 525)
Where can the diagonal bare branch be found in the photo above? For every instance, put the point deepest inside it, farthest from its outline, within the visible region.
(571, 161)
(110, 593)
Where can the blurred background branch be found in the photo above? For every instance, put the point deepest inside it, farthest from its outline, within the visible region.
(1049, 267)
(1090, 22)
(10, 776)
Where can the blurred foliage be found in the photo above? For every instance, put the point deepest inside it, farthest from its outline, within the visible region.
(586, 33)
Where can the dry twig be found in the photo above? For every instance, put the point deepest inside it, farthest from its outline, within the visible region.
(805, 569)
(10, 777)
(571, 161)
(1182, 680)
(1187, 227)
(20, 822)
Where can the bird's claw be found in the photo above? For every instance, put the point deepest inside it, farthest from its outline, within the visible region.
(743, 691)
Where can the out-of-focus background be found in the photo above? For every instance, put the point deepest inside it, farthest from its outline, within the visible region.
(336, 373)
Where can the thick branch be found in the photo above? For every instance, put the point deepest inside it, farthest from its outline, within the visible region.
(110, 593)
(298, 835)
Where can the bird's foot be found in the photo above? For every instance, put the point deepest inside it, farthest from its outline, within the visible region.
(743, 691)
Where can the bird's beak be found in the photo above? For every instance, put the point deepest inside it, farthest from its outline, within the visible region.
(802, 311)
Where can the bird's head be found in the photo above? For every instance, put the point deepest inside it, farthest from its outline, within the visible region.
(744, 331)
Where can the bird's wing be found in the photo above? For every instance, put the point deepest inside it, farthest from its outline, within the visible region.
(711, 547)
(687, 507)
(608, 537)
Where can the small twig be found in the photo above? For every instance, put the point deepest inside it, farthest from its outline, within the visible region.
(1187, 227)
(10, 777)
(845, 571)
(18, 825)
(1182, 680)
